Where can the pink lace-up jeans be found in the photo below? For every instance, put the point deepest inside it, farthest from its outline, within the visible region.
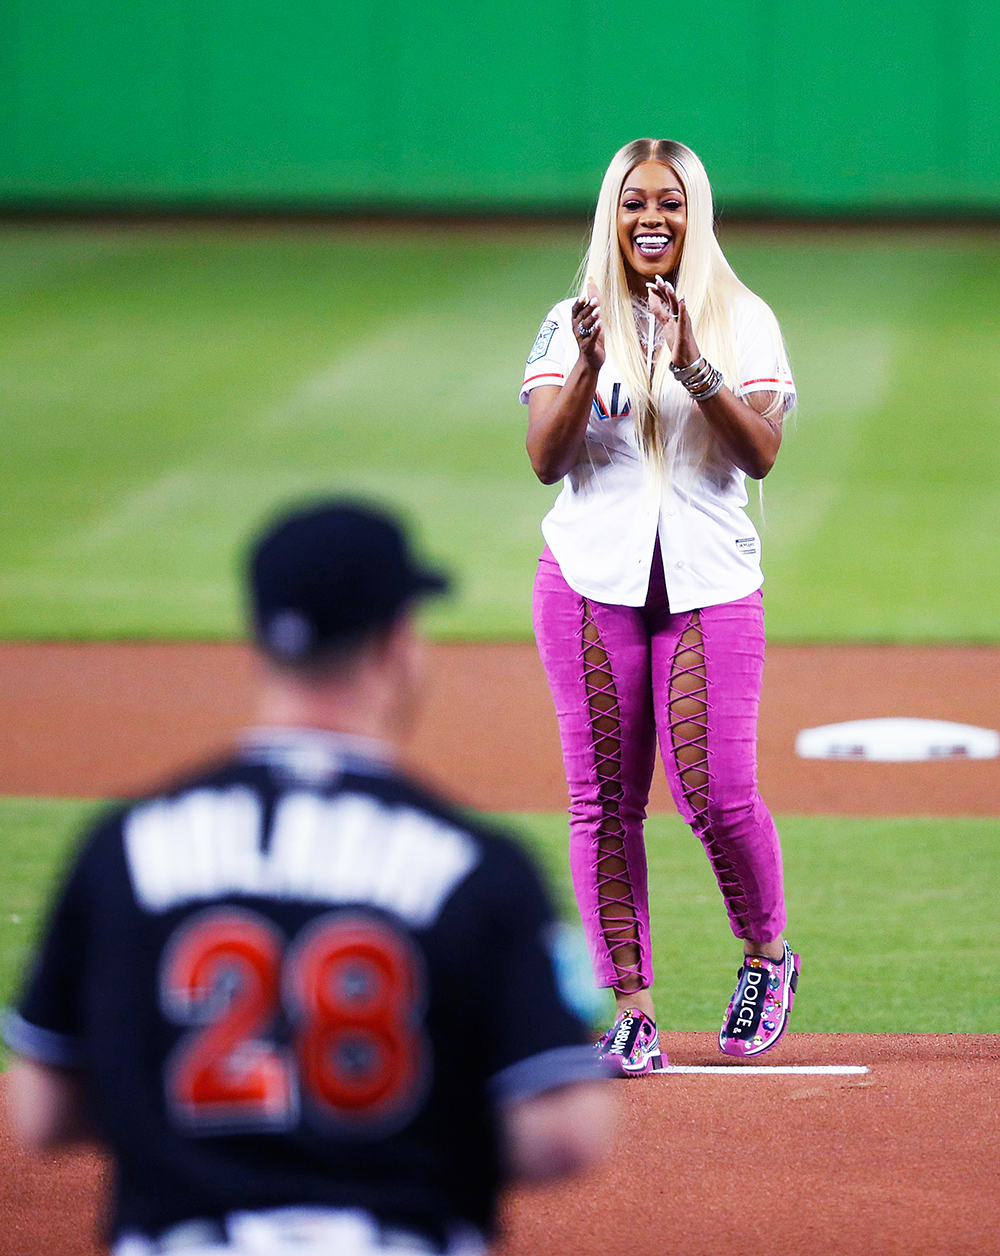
(623, 677)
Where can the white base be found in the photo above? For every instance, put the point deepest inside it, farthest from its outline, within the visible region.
(898, 741)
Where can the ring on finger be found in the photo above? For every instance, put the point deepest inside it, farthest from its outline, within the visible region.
(586, 331)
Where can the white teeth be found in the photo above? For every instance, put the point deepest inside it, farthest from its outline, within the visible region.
(651, 243)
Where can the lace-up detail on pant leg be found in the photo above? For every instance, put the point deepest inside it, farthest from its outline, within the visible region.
(689, 707)
(616, 904)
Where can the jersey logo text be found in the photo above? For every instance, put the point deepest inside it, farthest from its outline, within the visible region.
(618, 407)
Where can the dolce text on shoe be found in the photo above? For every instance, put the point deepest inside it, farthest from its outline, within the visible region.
(758, 1012)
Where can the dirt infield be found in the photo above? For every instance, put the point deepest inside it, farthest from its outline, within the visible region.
(96, 720)
(100, 720)
(901, 1161)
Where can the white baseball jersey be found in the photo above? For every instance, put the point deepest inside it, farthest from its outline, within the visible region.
(605, 521)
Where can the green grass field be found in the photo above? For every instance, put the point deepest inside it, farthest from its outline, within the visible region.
(895, 919)
(165, 388)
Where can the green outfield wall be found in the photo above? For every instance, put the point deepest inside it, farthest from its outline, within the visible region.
(795, 105)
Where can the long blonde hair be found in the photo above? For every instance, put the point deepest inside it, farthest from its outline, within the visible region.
(663, 412)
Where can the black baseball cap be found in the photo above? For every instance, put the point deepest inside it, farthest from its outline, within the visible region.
(329, 571)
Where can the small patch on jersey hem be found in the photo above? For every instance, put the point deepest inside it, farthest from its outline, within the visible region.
(746, 544)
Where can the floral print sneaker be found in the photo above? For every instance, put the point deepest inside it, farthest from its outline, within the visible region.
(632, 1045)
(758, 1011)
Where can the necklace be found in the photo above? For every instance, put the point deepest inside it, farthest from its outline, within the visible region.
(650, 332)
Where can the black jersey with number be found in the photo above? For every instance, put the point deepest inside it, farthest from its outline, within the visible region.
(297, 978)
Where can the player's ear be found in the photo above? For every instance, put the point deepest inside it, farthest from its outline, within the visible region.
(403, 666)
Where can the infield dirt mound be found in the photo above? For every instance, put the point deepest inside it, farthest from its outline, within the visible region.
(901, 1161)
(105, 720)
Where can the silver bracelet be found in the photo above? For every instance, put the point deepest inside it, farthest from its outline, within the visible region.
(715, 384)
(705, 375)
(684, 373)
(699, 377)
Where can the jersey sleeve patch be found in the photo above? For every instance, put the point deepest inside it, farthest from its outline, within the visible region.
(542, 341)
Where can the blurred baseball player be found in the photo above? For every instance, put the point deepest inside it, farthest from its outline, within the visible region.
(289, 992)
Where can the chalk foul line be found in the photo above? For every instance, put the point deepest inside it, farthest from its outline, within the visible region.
(736, 1070)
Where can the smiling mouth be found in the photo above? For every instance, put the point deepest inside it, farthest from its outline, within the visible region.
(652, 245)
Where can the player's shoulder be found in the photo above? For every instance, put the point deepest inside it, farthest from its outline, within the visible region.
(243, 790)
(216, 772)
(275, 775)
(220, 772)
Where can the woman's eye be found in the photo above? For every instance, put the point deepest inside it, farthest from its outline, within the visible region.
(633, 205)
(671, 205)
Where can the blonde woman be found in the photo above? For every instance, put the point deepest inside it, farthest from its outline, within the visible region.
(653, 396)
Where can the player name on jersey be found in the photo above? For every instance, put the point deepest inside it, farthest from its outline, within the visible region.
(348, 849)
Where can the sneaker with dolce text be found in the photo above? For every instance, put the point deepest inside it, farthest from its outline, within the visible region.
(632, 1045)
(758, 1011)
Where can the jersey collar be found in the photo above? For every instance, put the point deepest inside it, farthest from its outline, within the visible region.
(316, 754)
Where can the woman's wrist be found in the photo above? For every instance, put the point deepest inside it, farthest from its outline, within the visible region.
(699, 378)
(587, 372)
